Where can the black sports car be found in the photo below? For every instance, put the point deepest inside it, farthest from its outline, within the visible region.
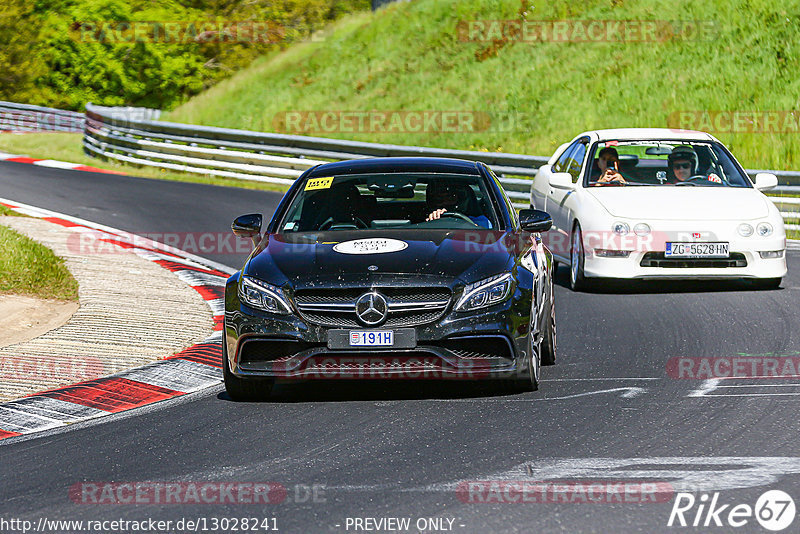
(391, 268)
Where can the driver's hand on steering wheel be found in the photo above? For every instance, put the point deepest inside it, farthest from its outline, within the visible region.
(435, 214)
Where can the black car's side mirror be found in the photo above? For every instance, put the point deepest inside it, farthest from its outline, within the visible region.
(535, 220)
(248, 226)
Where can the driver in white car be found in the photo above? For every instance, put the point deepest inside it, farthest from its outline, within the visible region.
(683, 166)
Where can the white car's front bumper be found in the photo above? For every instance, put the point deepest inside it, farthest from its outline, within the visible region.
(747, 249)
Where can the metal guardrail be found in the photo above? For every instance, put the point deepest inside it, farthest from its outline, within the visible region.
(26, 118)
(268, 157)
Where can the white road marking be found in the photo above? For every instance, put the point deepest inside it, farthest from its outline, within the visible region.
(706, 387)
(760, 386)
(689, 474)
(756, 395)
(629, 393)
(592, 379)
(717, 384)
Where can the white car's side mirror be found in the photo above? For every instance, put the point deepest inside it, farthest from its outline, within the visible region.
(561, 180)
(766, 180)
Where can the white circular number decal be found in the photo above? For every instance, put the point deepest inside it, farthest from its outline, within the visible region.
(775, 510)
(375, 245)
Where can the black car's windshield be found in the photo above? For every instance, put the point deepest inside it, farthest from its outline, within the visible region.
(381, 201)
(663, 163)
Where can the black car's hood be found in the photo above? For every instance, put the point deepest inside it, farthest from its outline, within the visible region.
(305, 260)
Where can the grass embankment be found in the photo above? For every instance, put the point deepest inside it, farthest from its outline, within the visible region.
(69, 147)
(408, 56)
(29, 268)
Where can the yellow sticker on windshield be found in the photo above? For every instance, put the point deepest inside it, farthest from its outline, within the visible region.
(319, 183)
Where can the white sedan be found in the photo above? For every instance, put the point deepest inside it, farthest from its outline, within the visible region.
(658, 203)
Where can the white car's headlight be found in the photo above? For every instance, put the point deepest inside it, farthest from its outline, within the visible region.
(764, 229)
(263, 296)
(641, 229)
(484, 293)
(745, 230)
(621, 228)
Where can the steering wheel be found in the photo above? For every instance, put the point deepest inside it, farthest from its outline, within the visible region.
(457, 215)
(692, 179)
(330, 221)
(615, 182)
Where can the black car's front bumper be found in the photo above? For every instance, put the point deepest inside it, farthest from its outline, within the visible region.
(489, 343)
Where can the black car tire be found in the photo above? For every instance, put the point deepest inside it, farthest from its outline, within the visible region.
(241, 389)
(549, 342)
(577, 281)
(529, 379)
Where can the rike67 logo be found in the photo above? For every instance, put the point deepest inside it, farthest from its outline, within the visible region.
(774, 510)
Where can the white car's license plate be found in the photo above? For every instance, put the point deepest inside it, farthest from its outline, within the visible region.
(697, 250)
(371, 338)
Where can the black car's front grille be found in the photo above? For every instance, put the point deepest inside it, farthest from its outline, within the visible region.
(658, 259)
(407, 306)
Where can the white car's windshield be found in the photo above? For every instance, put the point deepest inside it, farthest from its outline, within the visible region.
(666, 163)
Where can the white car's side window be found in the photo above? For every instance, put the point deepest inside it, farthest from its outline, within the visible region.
(561, 164)
(575, 162)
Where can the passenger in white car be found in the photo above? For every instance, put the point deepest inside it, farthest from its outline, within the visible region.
(608, 165)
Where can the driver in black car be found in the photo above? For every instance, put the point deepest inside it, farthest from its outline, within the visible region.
(452, 197)
(683, 166)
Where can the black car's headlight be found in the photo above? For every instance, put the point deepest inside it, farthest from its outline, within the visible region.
(486, 292)
(263, 296)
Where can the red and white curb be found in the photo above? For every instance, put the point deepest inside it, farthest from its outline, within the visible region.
(55, 164)
(193, 369)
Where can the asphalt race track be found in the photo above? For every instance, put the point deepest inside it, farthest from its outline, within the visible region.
(608, 411)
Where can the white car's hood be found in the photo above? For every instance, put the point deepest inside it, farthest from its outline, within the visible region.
(681, 202)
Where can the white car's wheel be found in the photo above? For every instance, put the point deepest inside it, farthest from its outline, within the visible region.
(577, 281)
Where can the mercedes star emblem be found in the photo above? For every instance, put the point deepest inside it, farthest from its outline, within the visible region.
(371, 308)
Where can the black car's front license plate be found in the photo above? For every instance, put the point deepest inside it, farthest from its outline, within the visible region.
(401, 338)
